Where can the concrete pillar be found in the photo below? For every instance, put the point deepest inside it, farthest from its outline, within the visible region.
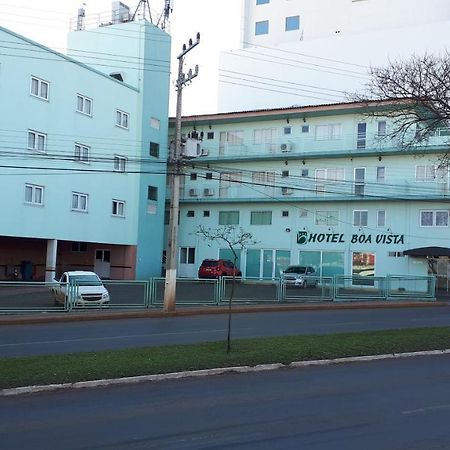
(50, 266)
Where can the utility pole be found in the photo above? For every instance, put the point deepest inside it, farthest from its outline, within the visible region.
(175, 172)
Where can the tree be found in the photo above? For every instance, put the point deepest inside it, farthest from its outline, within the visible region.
(236, 238)
(415, 94)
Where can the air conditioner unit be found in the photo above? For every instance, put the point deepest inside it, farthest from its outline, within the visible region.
(208, 192)
(286, 147)
(193, 192)
(286, 191)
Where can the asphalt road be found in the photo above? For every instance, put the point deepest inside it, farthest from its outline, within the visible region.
(401, 404)
(54, 338)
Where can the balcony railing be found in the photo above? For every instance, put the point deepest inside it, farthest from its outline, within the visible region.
(309, 145)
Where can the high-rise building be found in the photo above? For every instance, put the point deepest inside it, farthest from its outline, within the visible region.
(300, 52)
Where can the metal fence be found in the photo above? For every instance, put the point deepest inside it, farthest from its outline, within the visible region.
(21, 297)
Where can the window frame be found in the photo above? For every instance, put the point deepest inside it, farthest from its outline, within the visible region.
(121, 118)
(253, 215)
(330, 218)
(381, 225)
(36, 136)
(433, 213)
(79, 196)
(120, 163)
(34, 188)
(80, 157)
(294, 26)
(233, 217)
(40, 82)
(84, 99)
(359, 212)
(152, 193)
(117, 204)
(261, 28)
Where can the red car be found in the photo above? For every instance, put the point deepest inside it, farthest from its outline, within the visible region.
(215, 268)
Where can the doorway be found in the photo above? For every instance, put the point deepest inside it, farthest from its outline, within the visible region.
(103, 263)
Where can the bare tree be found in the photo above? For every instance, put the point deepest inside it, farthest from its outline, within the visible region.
(415, 94)
(236, 238)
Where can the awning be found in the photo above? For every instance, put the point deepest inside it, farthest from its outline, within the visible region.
(428, 251)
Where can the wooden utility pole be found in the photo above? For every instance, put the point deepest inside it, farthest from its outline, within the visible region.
(175, 172)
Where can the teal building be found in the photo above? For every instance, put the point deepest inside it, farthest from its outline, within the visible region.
(84, 151)
(322, 186)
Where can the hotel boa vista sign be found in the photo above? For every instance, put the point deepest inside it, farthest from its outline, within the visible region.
(306, 237)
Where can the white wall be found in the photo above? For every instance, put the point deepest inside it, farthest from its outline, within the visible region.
(320, 70)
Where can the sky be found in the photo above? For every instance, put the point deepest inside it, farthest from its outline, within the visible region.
(48, 21)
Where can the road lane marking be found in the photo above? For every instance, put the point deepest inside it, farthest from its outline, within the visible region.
(427, 409)
(105, 338)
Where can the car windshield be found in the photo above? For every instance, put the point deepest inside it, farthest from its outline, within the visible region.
(295, 269)
(86, 280)
(210, 263)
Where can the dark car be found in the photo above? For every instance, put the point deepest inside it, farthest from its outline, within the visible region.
(215, 268)
(302, 276)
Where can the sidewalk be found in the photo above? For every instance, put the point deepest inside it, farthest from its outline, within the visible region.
(46, 317)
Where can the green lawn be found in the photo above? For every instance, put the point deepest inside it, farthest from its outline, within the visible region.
(74, 367)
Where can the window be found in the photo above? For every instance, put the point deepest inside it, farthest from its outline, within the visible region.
(152, 193)
(265, 136)
(37, 141)
(328, 132)
(39, 88)
(187, 255)
(193, 176)
(431, 173)
(118, 208)
(362, 135)
(262, 27)
(284, 213)
(34, 195)
(84, 105)
(292, 23)
(434, 218)
(304, 173)
(79, 202)
(303, 213)
(381, 218)
(261, 218)
(190, 213)
(154, 149)
(206, 213)
(360, 218)
(122, 119)
(381, 174)
(208, 176)
(287, 130)
(210, 135)
(120, 163)
(285, 173)
(228, 217)
(230, 138)
(328, 178)
(265, 178)
(79, 247)
(305, 128)
(154, 123)
(360, 176)
(329, 218)
(381, 128)
(81, 153)
(262, 2)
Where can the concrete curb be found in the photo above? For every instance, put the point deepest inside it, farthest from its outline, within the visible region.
(37, 317)
(209, 372)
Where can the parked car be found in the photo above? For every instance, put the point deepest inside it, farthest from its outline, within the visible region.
(301, 276)
(215, 268)
(89, 288)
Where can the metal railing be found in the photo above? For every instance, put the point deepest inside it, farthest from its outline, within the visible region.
(33, 297)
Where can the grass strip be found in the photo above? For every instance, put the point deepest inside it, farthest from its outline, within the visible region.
(72, 367)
